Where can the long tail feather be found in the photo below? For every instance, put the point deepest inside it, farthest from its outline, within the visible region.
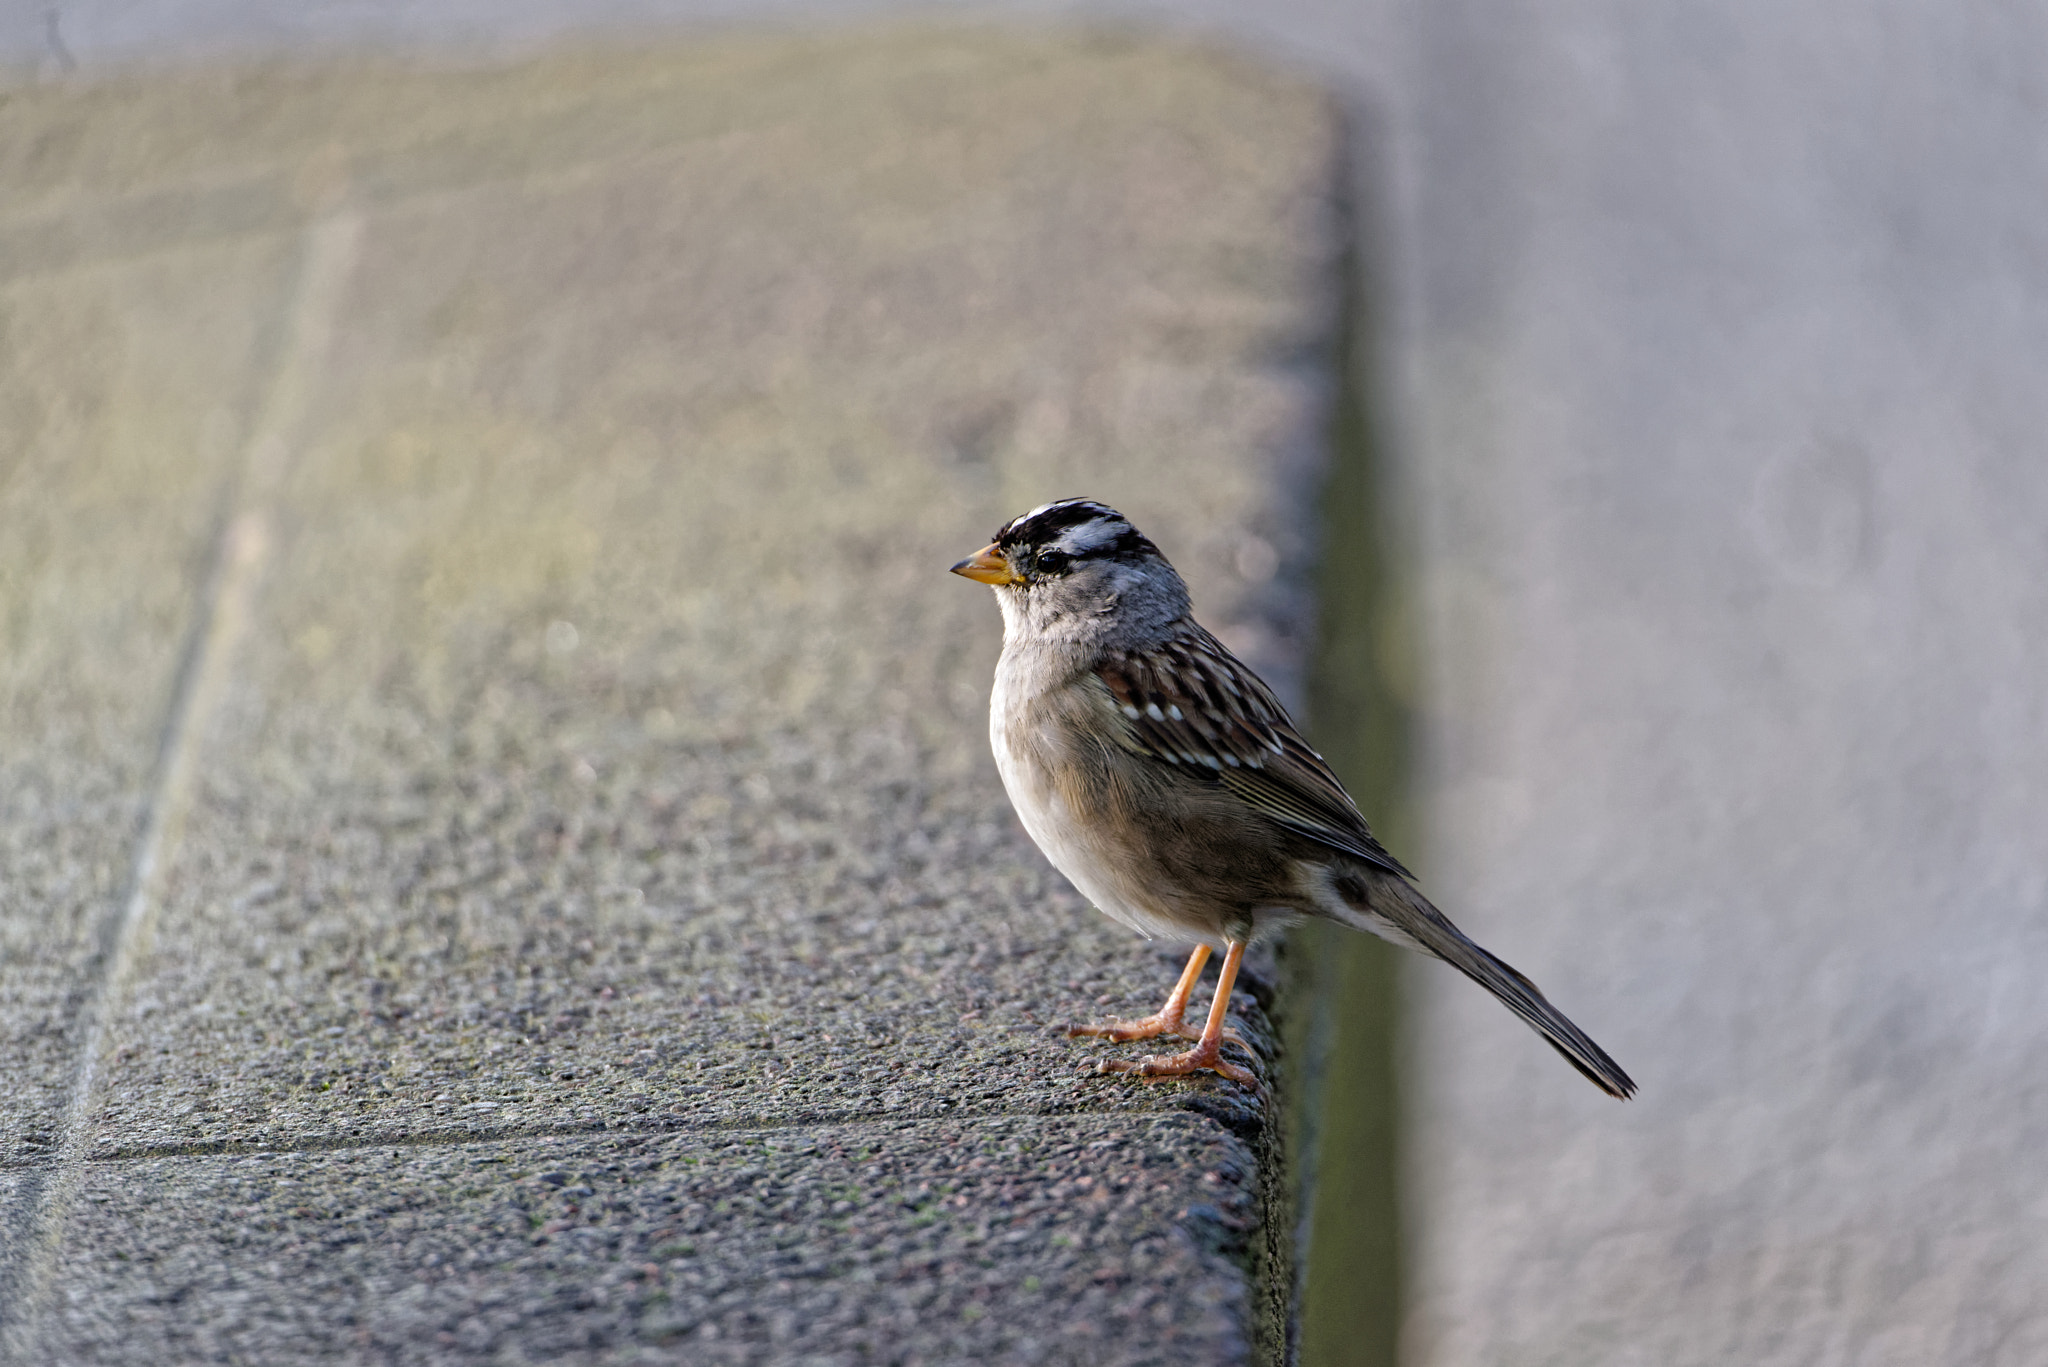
(1402, 914)
(1521, 996)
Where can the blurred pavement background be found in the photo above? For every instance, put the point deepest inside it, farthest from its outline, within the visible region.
(1707, 347)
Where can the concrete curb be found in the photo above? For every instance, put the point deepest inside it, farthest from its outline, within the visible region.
(493, 711)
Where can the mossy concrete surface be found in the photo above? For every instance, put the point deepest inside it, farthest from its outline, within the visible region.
(501, 859)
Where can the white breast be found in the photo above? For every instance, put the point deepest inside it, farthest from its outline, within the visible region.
(1085, 855)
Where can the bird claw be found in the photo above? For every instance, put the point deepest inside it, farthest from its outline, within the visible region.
(1179, 1065)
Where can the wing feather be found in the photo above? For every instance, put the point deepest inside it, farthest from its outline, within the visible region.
(1192, 704)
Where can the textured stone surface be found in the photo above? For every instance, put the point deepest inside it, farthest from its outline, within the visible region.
(1015, 1240)
(115, 383)
(587, 736)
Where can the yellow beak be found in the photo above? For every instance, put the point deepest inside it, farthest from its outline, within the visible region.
(988, 566)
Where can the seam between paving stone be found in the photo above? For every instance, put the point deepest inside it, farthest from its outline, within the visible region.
(219, 622)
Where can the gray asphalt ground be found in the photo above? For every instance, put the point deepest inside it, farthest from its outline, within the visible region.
(502, 861)
(1708, 354)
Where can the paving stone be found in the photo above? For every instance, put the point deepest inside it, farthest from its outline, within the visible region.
(1010, 1239)
(590, 736)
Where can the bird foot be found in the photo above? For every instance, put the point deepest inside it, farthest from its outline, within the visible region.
(1151, 1027)
(1207, 1054)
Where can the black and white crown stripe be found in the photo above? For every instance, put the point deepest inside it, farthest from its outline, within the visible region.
(1080, 528)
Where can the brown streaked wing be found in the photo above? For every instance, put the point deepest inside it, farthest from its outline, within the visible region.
(1192, 704)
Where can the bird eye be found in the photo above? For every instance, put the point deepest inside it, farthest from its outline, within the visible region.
(1051, 562)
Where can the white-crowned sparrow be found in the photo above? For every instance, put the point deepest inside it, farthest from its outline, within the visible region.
(1163, 778)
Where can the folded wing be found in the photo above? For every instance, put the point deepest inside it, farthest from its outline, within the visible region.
(1194, 705)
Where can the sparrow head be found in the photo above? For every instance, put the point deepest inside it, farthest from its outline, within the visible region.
(1077, 558)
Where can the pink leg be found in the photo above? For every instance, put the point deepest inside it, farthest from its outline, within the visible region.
(1208, 1050)
(1168, 1020)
